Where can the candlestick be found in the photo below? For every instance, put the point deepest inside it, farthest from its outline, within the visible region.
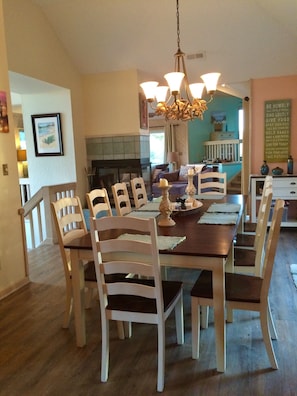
(191, 189)
(163, 183)
(165, 207)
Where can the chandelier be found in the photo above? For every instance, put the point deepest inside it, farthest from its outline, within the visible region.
(185, 105)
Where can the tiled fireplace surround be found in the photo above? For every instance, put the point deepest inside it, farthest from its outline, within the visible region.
(118, 158)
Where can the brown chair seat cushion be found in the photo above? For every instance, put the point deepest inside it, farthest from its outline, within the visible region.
(246, 240)
(244, 257)
(141, 304)
(90, 274)
(250, 227)
(238, 287)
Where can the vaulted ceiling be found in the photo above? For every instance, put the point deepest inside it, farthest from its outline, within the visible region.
(242, 39)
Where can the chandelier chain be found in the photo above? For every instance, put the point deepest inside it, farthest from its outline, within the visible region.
(177, 25)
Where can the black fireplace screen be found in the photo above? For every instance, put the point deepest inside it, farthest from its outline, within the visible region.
(109, 172)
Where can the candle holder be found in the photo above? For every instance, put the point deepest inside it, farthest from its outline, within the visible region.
(191, 190)
(165, 208)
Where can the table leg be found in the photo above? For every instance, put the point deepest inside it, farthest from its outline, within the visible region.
(218, 279)
(230, 268)
(78, 290)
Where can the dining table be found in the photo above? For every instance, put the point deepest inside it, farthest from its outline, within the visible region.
(207, 243)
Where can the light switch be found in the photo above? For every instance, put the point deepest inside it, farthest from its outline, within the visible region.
(5, 169)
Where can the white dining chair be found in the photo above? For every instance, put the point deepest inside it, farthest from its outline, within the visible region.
(98, 202)
(212, 183)
(145, 300)
(246, 237)
(121, 199)
(70, 224)
(243, 292)
(139, 192)
(247, 258)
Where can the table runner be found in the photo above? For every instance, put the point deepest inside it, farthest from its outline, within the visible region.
(223, 208)
(150, 207)
(207, 196)
(218, 218)
(143, 215)
(164, 242)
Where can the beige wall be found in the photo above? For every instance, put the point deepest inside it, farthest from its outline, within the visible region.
(34, 50)
(271, 89)
(12, 261)
(111, 104)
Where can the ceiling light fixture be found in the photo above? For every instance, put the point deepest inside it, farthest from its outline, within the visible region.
(178, 107)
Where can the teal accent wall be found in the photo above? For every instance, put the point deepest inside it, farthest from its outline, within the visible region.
(232, 169)
(199, 130)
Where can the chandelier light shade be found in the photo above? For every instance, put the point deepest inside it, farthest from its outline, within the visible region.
(184, 101)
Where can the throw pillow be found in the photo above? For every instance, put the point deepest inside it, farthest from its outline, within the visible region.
(198, 167)
(163, 167)
(171, 176)
(183, 172)
(155, 176)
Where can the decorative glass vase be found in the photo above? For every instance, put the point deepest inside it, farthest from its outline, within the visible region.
(290, 165)
(264, 168)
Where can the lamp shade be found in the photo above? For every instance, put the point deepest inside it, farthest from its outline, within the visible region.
(196, 90)
(174, 80)
(149, 89)
(211, 80)
(22, 155)
(161, 93)
(172, 157)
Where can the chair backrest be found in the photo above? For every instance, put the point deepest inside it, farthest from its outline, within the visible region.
(263, 214)
(212, 183)
(267, 184)
(261, 232)
(271, 246)
(121, 198)
(98, 201)
(69, 223)
(139, 192)
(127, 260)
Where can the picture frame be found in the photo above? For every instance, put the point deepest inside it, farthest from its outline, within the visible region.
(47, 133)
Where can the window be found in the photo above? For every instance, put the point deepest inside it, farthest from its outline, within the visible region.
(157, 146)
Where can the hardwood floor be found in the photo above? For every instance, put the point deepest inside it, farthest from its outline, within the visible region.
(38, 357)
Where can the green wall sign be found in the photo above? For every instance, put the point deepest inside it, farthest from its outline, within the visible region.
(277, 130)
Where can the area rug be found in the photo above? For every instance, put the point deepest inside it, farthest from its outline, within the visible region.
(293, 268)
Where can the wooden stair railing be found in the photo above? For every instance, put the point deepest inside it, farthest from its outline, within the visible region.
(37, 212)
(223, 150)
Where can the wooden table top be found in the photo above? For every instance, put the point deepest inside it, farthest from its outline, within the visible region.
(208, 240)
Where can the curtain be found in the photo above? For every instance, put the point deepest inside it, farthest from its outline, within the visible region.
(169, 138)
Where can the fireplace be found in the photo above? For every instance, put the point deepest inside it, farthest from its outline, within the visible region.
(109, 172)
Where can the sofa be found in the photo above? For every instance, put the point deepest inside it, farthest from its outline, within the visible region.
(177, 179)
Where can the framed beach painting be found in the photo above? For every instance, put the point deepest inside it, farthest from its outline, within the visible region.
(47, 134)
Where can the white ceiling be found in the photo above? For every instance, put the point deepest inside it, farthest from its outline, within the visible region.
(242, 39)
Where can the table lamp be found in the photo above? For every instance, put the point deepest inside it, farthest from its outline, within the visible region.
(172, 158)
(22, 157)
